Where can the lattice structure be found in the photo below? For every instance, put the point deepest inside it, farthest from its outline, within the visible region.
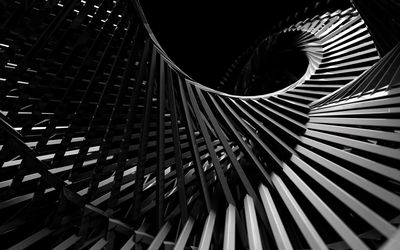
(106, 143)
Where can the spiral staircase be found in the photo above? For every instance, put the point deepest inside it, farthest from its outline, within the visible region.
(106, 144)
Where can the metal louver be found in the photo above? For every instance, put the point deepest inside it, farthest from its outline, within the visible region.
(106, 144)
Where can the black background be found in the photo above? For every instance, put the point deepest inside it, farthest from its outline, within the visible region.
(204, 37)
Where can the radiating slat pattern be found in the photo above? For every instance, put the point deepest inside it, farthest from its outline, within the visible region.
(106, 144)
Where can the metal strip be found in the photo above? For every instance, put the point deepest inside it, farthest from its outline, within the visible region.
(211, 149)
(251, 222)
(142, 155)
(67, 243)
(161, 150)
(239, 170)
(311, 235)
(363, 211)
(229, 234)
(183, 237)
(177, 146)
(194, 148)
(365, 146)
(205, 240)
(346, 233)
(100, 244)
(32, 239)
(249, 153)
(358, 180)
(278, 229)
(158, 240)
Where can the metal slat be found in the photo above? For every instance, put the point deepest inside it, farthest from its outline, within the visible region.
(183, 237)
(177, 147)
(249, 153)
(245, 181)
(83, 150)
(158, 240)
(390, 111)
(346, 233)
(160, 152)
(393, 243)
(193, 147)
(211, 150)
(32, 239)
(129, 244)
(253, 135)
(229, 233)
(107, 139)
(67, 243)
(278, 229)
(363, 211)
(137, 196)
(205, 240)
(365, 146)
(274, 122)
(251, 222)
(358, 180)
(83, 100)
(366, 133)
(100, 244)
(347, 106)
(128, 129)
(310, 233)
(349, 25)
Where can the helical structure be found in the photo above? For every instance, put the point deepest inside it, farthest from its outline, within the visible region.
(105, 143)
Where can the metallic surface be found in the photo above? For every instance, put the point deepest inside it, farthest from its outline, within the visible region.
(106, 144)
